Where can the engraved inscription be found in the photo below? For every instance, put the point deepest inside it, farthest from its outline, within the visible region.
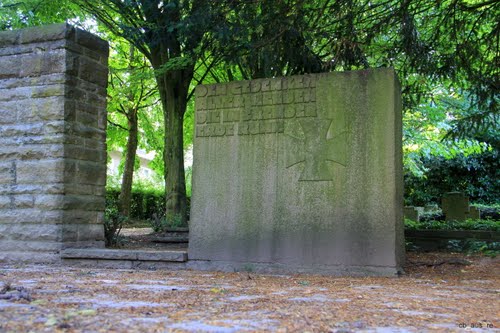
(253, 107)
(261, 127)
(215, 130)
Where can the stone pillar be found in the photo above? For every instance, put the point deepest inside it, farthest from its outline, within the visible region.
(52, 142)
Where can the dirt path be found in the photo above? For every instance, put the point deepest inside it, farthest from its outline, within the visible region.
(440, 292)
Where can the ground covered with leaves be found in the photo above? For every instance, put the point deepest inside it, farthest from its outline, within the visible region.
(439, 292)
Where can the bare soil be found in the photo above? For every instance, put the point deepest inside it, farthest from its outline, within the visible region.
(146, 239)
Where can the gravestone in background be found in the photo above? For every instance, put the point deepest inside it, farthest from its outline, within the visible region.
(299, 174)
(474, 213)
(412, 213)
(455, 206)
(52, 142)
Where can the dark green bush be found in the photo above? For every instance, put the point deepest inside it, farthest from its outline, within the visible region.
(476, 175)
(144, 205)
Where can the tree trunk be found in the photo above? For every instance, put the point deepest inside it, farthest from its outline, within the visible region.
(128, 171)
(173, 87)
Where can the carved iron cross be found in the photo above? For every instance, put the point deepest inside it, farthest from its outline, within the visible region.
(315, 150)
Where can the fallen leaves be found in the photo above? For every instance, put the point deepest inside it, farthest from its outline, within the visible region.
(10, 292)
(428, 297)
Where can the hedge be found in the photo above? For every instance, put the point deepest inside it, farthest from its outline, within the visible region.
(144, 203)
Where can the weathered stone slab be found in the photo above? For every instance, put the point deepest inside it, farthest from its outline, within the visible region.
(108, 254)
(474, 213)
(303, 173)
(16, 245)
(180, 256)
(52, 141)
(455, 206)
(412, 213)
(25, 256)
(37, 232)
(125, 264)
(171, 239)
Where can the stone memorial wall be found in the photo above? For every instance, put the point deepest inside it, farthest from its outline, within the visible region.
(299, 174)
(52, 142)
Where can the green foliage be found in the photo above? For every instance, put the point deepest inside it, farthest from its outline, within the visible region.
(444, 51)
(470, 246)
(426, 129)
(412, 225)
(143, 204)
(15, 14)
(174, 64)
(165, 222)
(476, 175)
(490, 211)
(469, 224)
(189, 177)
(113, 223)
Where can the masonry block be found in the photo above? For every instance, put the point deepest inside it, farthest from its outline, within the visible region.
(52, 141)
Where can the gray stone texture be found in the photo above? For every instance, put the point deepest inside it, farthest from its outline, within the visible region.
(299, 174)
(53, 83)
(412, 213)
(474, 213)
(170, 256)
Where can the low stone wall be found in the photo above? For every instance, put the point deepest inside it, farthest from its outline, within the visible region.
(52, 142)
(436, 240)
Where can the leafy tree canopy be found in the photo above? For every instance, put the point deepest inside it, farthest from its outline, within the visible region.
(446, 53)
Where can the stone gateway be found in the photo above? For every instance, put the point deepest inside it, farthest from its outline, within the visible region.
(299, 174)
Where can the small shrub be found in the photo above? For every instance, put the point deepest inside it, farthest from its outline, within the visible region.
(479, 224)
(470, 246)
(157, 222)
(174, 221)
(113, 223)
(433, 215)
(161, 223)
(411, 225)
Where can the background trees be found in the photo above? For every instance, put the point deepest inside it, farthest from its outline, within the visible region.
(132, 92)
(170, 35)
(446, 53)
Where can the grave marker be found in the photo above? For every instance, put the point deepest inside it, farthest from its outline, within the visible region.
(412, 213)
(474, 213)
(455, 206)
